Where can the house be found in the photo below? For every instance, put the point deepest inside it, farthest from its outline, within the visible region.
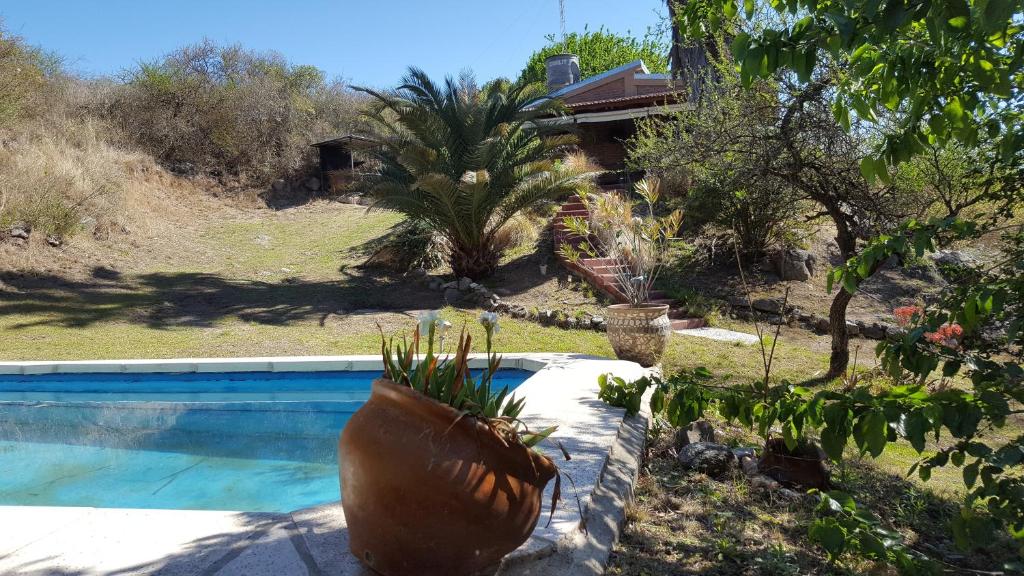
(603, 109)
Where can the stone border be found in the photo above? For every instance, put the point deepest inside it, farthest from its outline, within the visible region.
(608, 449)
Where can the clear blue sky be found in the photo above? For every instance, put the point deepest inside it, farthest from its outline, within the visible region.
(365, 41)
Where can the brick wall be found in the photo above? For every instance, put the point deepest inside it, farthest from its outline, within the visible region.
(613, 89)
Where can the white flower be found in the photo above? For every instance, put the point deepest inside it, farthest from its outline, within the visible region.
(427, 320)
(489, 320)
(442, 328)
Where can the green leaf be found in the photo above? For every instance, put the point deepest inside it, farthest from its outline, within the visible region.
(915, 426)
(872, 546)
(867, 169)
(841, 501)
(833, 441)
(828, 534)
(870, 432)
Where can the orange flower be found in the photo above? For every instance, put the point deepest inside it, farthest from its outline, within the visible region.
(947, 335)
(905, 314)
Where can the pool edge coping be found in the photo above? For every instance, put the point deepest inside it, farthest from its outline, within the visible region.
(571, 550)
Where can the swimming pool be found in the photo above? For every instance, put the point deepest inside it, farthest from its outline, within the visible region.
(247, 441)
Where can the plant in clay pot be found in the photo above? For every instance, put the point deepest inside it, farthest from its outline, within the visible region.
(438, 474)
(626, 243)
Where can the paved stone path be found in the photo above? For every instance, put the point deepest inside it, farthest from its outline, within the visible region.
(720, 334)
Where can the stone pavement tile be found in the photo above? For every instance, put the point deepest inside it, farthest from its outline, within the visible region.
(271, 554)
(720, 334)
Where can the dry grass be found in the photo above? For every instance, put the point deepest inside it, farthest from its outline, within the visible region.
(687, 524)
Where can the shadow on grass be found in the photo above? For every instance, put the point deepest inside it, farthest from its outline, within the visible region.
(162, 300)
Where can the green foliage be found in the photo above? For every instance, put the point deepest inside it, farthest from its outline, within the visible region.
(722, 160)
(842, 527)
(449, 379)
(466, 159)
(953, 70)
(599, 51)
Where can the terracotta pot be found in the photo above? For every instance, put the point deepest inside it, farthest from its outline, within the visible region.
(427, 492)
(639, 333)
(802, 468)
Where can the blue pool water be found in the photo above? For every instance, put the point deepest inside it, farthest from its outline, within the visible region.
(252, 441)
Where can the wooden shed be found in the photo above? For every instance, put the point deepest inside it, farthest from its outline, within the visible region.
(342, 159)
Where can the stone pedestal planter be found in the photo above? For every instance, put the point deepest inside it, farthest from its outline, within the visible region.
(639, 333)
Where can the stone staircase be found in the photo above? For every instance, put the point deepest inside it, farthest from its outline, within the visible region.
(600, 272)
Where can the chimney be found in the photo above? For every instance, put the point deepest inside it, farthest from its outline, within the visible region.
(562, 70)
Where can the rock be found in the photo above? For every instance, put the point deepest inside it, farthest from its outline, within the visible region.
(953, 258)
(777, 320)
(744, 452)
(419, 273)
(54, 240)
(453, 285)
(278, 185)
(875, 331)
(737, 301)
(596, 321)
(793, 264)
(769, 305)
(464, 283)
(436, 284)
(852, 328)
(313, 183)
(742, 314)
(762, 482)
(568, 322)
(790, 494)
(502, 291)
(518, 312)
(822, 324)
(699, 431)
(20, 232)
(452, 295)
(707, 457)
(748, 465)
(88, 224)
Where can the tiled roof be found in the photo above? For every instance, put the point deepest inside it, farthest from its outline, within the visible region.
(667, 94)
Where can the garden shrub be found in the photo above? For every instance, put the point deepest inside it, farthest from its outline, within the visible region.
(230, 111)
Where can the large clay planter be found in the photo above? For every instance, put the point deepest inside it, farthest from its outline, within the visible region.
(426, 492)
(803, 468)
(639, 333)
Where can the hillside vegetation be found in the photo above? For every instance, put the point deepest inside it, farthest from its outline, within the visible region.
(106, 158)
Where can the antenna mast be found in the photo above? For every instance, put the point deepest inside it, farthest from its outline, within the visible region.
(561, 17)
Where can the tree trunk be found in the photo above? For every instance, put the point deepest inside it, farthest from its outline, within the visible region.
(473, 262)
(840, 358)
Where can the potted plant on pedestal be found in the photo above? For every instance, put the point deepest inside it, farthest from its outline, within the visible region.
(624, 245)
(438, 474)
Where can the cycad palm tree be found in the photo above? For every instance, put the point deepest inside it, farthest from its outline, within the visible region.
(466, 159)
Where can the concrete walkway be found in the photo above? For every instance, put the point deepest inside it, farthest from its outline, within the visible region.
(720, 334)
